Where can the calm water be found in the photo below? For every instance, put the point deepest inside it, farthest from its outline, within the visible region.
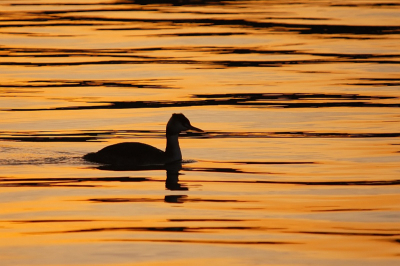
(299, 163)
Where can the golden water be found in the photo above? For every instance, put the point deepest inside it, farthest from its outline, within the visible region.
(299, 163)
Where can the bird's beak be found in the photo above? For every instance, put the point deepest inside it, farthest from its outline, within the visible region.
(194, 128)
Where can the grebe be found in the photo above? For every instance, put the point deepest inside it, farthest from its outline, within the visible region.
(139, 154)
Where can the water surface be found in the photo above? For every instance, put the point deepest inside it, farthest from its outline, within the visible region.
(299, 163)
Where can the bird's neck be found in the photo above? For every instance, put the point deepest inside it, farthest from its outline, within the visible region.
(173, 151)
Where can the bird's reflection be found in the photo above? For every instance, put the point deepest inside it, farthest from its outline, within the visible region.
(172, 172)
(174, 198)
(172, 181)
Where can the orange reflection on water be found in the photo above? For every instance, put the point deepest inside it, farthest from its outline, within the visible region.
(298, 163)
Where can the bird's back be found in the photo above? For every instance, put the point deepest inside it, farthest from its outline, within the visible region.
(128, 153)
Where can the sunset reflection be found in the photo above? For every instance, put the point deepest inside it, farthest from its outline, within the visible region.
(297, 164)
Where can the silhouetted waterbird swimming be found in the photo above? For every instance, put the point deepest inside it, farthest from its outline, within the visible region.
(139, 154)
